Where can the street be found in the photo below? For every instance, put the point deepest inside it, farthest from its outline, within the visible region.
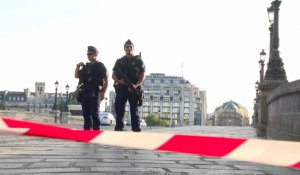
(32, 155)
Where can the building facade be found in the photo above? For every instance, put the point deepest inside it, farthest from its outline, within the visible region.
(230, 114)
(38, 101)
(171, 98)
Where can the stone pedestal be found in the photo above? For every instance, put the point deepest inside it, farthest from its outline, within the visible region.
(65, 117)
(56, 114)
(266, 87)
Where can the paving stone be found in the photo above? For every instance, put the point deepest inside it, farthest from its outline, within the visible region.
(101, 164)
(50, 164)
(33, 155)
(11, 165)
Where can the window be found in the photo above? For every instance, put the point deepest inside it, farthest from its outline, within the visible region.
(186, 104)
(165, 109)
(176, 92)
(155, 109)
(163, 91)
(176, 81)
(156, 91)
(146, 109)
(186, 110)
(157, 81)
(166, 103)
(148, 81)
(176, 104)
(167, 81)
(146, 103)
(176, 99)
(176, 110)
(166, 99)
(156, 103)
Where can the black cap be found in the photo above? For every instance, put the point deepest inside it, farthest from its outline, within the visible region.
(128, 42)
(92, 49)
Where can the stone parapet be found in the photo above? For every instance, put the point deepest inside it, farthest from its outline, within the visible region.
(284, 112)
(42, 118)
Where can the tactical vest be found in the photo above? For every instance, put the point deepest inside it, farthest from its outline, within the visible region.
(91, 76)
(131, 67)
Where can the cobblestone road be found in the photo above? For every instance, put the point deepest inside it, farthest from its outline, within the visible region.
(31, 155)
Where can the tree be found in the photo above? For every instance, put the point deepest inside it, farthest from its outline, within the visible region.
(153, 120)
(61, 106)
(2, 107)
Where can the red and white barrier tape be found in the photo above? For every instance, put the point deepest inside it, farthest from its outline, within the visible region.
(278, 153)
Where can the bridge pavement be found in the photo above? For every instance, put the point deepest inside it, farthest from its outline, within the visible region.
(32, 155)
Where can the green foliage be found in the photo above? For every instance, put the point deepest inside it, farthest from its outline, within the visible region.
(154, 120)
(61, 106)
(2, 107)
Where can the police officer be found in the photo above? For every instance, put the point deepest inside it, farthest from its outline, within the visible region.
(93, 81)
(128, 69)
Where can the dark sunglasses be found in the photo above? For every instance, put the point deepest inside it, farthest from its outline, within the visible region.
(90, 53)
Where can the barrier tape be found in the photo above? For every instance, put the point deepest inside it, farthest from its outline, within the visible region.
(271, 152)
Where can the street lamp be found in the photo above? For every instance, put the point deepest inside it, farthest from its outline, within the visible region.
(55, 97)
(67, 93)
(262, 64)
(271, 14)
(105, 110)
(275, 70)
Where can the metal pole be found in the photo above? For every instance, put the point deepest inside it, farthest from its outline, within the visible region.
(55, 100)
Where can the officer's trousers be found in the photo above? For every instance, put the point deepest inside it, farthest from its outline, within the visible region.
(122, 95)
(90, 109)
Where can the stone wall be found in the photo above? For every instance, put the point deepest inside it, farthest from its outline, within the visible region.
(284, 112)
(39, 117)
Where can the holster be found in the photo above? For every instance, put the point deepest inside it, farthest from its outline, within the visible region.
(81, 89)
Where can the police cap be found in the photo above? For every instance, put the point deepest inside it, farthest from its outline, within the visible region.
(128, 42)
(92, 49)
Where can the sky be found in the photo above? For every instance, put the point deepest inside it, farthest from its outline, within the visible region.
(218, 42)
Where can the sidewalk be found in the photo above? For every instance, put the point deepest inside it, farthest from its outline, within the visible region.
(32, 155)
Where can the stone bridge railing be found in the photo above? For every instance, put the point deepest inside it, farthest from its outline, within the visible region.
(284, 112)
(38, 117)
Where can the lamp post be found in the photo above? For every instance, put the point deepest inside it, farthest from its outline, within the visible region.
(67, 93)
(262, 64)
(55, 97)
(66, 114)
(105, 110)
(275, 70)
(275, 73)
(55, 111)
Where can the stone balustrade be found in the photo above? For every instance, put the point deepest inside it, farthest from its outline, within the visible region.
(284, 112)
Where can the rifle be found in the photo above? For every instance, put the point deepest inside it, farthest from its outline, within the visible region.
(138, 92)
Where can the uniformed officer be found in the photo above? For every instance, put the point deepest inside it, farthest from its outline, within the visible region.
(93, 81)
(128, 69)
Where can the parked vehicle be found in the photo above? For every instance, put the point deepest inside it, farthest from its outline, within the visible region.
(143, 123)
(107, 118)
(127, 122)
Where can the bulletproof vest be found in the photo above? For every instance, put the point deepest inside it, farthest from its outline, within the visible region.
(90, 75)
(131, 67)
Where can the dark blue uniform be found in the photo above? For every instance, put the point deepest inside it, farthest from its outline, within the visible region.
(91, 81)
(132, 68)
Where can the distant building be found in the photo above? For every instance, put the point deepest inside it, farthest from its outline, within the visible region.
(40, 89)
(210, 120)
(170, 96)
(15, 101)
(38, 101)
(230, 114)
(2, 97)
